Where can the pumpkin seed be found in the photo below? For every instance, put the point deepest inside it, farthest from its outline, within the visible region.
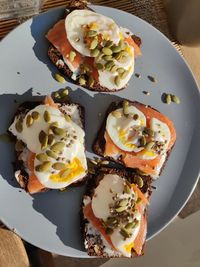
(99, 57)
(149, 145)
(90, 81)
(95, 52)
(116, 48)
(67, 117)
(168, 98)
(109, 43)
(42, 135)
(121, 209)
(45, 166)
(64, 174)
(123, 202)
(82, 81)
(51, 154)
(60, 78)
(143, 141)
(57, 95)
(175, 99)
(124, 233)
(58, 166)
(107, 58)
(149, 132)
(47, 116)
(125, 107)
(117, 56)
(139, 181)
(120, 70)
(116, 114)
(58, 131)
(124, 74)
(35, 115)
(139, 200)
(127, 189)
(54, 124)
(51, 139)
(152, 79)
(91, 33)
(131, 225)
(64, 93)
(113, 69)
(72, 55)
(109, 231)
(91, 170)
(94, 162)
(29, 121)
(19, 146)
(138, 75)
(107, 51)
(93, 44)
(99, 66)
(111, 221)
(42, 157)
(57, 147)
(117, 80)
(109, 64)
(44, 142)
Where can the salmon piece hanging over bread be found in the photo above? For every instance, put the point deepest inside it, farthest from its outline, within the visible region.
(137, 136)
(92, 50)
(115, 213)
(50, 145)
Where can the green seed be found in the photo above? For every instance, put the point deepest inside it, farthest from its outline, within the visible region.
(91, 170)
(109, 43)
(57, 95)
(90, 81)
(91, 33)
(51, 154)
(42, 135)
(123, 202)
(64, 174)
(175, 99)
(19, 146)
(35, 115)
(45, 166)
(116, 49)
(124, 74)
(57, 147)
(47, 116)
(139, 181)
(58, 166)
(125, 107)
(72, 55)
(107, 51)
(58, 131)
(117, 114)
(143, 141)
(113, 69)
(117, 56)
(82, 81)
(44, 142)
(131, 225)
(67, 117)
(120, 70)
(42, 157)
(117, 80)
(99, 66)
(64, 93)
(54, 124)
(121, 209)
(127, 189)
(93, 44)
(109, 231)
(29, 121)
(94, 162)
(99, 57)
(150, 145)
(124, 233)
(107, 58)
(109, 65)
(111, 221)
(51, 139)
(95, 52)
(139, 200)
(149, 132)
(168, 99)
(60, 78)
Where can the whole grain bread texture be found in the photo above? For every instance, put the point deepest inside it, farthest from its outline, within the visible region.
(18, 164)
(99, 143)
(93, 242)
(57, 59)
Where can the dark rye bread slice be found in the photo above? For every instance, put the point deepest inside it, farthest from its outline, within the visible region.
(18, 165)
(57, 59)
(99, 143)
(93, 242)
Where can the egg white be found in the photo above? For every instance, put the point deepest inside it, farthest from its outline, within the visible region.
(77, 18)
(162, 131)
(115, 125)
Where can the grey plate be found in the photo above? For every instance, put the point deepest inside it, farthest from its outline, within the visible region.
(51, 220)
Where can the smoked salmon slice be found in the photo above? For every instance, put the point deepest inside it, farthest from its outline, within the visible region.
(58, 37)
(137, 50)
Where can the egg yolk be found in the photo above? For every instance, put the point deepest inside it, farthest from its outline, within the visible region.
(123, 139)
(148, 153)
(128, 247)
(72, 170)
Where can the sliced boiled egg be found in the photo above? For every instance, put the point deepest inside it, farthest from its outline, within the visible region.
(125, 130)
(162, 131)
(76, 22)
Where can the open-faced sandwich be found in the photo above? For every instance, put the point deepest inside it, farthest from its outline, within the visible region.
(50, 145)
(115, 213)
(92, 49)
(136, 136)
